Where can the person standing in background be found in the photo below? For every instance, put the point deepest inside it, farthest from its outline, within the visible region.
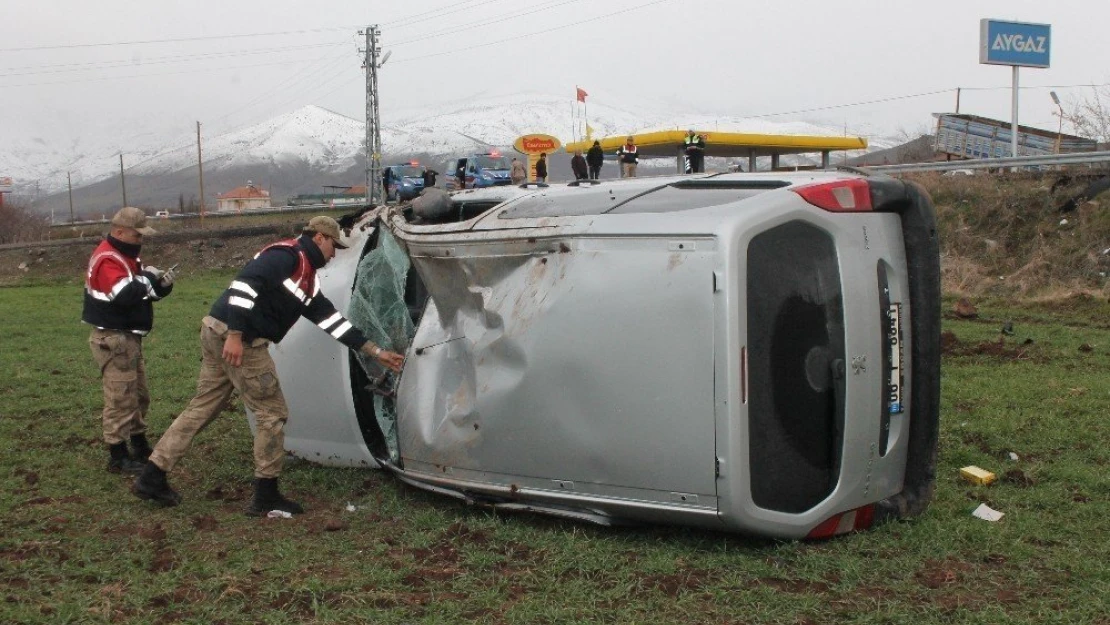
(694, 148)
(629, 157)
(517, 172)
(578, 166)
(595, 157)
(460, 175)
(430, 177)
(541, 168)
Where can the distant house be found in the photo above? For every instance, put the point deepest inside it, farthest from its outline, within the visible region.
(243, 198)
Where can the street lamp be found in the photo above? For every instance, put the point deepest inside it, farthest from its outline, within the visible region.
(1060, 127)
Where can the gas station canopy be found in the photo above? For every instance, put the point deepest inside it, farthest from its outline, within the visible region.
(668, 143)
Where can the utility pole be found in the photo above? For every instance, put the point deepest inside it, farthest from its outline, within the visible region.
(373, 124)
(122, 181)
(200, 172)
(69, 182)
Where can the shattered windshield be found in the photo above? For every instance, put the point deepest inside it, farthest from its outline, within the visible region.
(379, 310)
(408, 171)
(492, 162)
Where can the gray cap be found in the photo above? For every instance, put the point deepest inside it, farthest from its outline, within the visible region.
(327, 226)
(134, 218)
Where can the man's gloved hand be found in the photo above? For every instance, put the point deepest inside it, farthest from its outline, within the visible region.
(154, 272)
(168, 277)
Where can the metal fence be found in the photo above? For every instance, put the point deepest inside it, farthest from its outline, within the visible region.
(1016, 162)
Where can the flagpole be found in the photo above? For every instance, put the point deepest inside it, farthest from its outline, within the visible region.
(585, 115)
(578, 128)
(573, 121)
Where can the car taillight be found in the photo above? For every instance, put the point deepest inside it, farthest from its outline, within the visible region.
(841, 196)
(850, 521)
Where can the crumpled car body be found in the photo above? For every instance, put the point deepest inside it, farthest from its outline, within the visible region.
(755, 353)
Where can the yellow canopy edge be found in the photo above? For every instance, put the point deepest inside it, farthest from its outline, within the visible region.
(666, 143)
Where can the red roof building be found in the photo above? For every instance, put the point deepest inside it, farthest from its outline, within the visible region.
(243, 198)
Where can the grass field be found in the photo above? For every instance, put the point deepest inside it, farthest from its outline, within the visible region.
(76, 547)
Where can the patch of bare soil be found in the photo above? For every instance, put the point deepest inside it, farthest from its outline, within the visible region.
(950, 345)
(197, 250)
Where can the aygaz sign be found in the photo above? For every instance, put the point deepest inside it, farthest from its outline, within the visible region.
(1014, 43)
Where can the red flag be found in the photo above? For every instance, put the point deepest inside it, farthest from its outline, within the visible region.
(581, 94)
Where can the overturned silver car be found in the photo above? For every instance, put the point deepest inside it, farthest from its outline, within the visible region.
(747, 352)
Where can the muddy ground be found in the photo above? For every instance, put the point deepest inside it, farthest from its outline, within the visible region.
(195, 250)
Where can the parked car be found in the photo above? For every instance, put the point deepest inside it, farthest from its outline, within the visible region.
(406, 181)
(162, 214)
(489, 169)
(745, 352)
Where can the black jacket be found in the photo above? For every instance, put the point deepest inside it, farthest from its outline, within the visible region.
(578, 165)
(541, 168)
(595, 156)
(263, 300)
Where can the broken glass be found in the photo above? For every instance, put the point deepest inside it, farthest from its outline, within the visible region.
(379, 310)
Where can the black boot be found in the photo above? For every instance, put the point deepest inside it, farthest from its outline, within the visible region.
(140, 448)
(266, 498)
(120, 462)
(152, 486)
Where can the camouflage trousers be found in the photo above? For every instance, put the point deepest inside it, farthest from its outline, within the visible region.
(123, 374)
(257, 383)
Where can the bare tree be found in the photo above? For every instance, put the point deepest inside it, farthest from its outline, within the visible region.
(1090, 116)
(21, 225)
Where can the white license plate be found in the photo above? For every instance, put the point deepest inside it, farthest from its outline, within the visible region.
(894, 400)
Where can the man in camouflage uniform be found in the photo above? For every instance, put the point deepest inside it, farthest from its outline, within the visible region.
(263, 302)
(119, 296)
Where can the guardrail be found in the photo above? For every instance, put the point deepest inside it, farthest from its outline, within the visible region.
(153, 220)
(1053, 160)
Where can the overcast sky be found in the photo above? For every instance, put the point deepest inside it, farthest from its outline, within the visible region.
(74, 66)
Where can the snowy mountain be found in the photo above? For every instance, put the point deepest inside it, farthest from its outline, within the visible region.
(316, 136)
(312, 146)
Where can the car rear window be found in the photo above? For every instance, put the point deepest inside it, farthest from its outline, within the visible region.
(795, 343)
(607, 199)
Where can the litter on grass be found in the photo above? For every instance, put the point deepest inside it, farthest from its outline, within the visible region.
(987, 513)
(975, 475)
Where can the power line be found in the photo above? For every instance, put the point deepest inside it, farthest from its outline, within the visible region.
(115, 64)
(532, 34)
(456, 7)
(851, 104)
(405, 21)
(176, 39)
(311, 70)
(158, 74)
(460, 27)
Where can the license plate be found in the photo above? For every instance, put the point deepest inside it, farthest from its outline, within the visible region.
(894, 318)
